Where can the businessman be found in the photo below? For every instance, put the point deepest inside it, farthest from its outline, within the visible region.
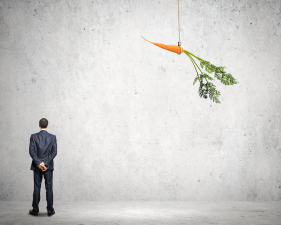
(43, 150)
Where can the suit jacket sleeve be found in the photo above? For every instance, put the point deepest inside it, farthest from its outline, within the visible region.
(32, 152)
(53, 153)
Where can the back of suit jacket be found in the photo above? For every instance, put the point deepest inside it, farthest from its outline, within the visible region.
(43, 148)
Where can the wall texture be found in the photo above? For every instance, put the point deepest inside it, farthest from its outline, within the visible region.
(129, 123)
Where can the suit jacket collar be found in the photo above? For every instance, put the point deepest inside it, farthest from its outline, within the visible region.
(43, 131)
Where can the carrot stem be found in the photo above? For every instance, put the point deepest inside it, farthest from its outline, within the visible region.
(193, 55)
(192, 60)
(193, 64)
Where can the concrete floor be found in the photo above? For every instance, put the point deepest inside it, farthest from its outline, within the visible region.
(138, 213)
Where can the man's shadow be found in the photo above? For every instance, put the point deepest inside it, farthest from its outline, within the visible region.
(40, 214)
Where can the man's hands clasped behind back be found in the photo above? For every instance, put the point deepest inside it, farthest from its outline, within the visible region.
(42, 167)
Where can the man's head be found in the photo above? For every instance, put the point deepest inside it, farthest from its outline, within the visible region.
(43, 123)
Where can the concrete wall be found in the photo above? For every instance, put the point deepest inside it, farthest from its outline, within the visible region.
(129, 123)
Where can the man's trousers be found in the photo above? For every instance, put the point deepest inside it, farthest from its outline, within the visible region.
(48, 176)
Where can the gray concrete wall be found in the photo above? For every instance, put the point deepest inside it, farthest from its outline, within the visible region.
(130, 125)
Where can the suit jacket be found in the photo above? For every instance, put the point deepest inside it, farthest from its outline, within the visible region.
(43, 148)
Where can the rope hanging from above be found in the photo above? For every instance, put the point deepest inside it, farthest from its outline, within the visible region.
(179, 43)
(206, 88)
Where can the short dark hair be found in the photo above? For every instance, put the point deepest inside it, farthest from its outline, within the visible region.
(43, 123)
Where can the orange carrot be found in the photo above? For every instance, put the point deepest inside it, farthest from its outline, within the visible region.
(172, 48)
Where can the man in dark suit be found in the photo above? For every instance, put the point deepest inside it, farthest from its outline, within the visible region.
(43, 149)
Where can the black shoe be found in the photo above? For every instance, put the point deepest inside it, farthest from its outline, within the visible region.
(51, 213)
(33, 213)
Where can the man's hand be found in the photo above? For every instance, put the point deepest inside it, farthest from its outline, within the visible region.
(42, 167)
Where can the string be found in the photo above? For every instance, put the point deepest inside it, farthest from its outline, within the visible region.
(179, 44)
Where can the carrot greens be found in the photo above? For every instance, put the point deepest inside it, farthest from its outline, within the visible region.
(207, 88)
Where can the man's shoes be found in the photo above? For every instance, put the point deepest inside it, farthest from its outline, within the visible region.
(33, 213)
(51, 213)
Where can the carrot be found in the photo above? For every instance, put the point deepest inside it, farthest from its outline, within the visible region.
(172, 48)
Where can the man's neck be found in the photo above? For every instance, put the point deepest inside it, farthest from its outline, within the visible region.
(43, 129)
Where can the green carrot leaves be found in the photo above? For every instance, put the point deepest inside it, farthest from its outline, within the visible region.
(208, 89)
